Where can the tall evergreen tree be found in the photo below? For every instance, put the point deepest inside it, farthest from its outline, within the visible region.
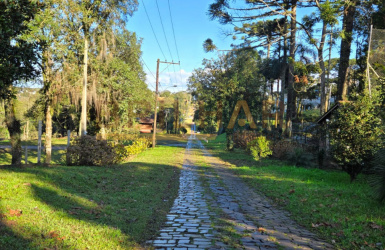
(346, 43)
(228, 12)
(327, 15)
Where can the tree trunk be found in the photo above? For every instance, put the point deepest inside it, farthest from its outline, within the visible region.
(346, 42)
(83, 117)
(291, 110)
(14, 129)
(283, 80)
(48, 133)
(323, 71)
(229, 140)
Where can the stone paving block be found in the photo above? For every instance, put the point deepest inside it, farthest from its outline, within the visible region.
(188, 246)
(160, 241)
(189, 221)
(165, 237)
(164, 245)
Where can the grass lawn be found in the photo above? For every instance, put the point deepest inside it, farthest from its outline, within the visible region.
(63, 207)
(323, 201)
(55, 142)
(58, 156)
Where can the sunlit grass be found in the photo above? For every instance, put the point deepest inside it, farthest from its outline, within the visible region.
(62, 207)
(324, 201)
(58, 156)
(33, 142)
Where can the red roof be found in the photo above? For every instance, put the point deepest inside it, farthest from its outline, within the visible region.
(146, 121)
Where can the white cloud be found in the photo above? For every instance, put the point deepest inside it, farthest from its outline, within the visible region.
(168, 79)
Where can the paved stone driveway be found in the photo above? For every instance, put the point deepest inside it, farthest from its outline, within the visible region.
(261, 225)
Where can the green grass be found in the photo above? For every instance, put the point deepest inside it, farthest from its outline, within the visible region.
(326, 202)
(63, 207)
(55, 142)
(58, 156)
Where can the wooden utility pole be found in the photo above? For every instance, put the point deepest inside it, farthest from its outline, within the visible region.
(156, 99)
(177, 115)
(156, 104)
(39, 142)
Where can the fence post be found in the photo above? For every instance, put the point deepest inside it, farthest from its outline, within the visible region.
(26, 155)
(68, 137)
(39, 143)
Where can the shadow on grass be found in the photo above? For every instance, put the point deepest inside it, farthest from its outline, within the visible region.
(322, 200)
(8, 236)
(12, 236)
(134, 198)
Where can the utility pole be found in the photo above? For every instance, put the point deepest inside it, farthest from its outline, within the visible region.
(177, 115)
(156, 99)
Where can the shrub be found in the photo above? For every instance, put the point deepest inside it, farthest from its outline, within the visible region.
(377, 177)
(259, 147)
(119, 137)
(282, 149)
(299, 157)
(242, 138)
(121, 152)
(356, 134)
(88, 151)
(138, 146)
(135, 147)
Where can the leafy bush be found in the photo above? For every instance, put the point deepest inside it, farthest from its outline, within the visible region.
(120, 151)
(134, 148)
(299, 157)
(138, 146)
(259, 147)
(356, 134)
(242, 138)
(377, 177)
(88, 151)
(282, 149)
(119, 137)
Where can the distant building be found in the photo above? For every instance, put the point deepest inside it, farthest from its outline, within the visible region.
(146, 125)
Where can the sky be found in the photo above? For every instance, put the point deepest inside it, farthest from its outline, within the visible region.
(192, 26)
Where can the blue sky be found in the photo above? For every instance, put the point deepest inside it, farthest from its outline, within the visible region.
(192, 26)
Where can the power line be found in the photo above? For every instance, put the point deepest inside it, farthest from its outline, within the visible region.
(165, 37)
(173, 31)
(176, 46)
(164, 33)
(152, 28)
(149, 71)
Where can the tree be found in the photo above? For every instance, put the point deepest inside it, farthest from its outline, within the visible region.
(91, 17)
(228, 13)
(328, 16)
(346, 42)
(357, 133)
(222, 83)
(18, 60)
(47, 28)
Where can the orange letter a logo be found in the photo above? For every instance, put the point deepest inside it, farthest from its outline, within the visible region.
(237, 109)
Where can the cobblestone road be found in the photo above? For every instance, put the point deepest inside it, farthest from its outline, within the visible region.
(260, 225)
(188, 223)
